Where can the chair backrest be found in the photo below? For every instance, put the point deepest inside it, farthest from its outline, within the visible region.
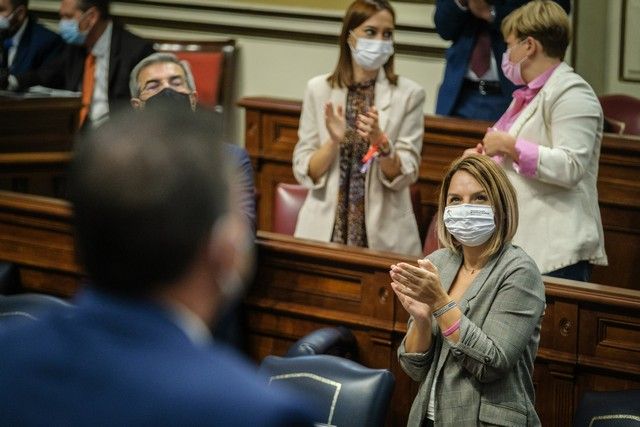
(431, 242)
(338, 341)
(213, 67)
(345, 392)
(608, 409)
(622, 113)
(287, 202)
(27, 307)
(289, 198)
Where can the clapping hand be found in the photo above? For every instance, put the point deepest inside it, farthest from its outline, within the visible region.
(418, 287)
(367, 126)
(335, 122)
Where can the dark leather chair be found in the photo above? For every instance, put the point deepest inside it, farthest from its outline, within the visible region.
(431, 242)
(20, 308)
(287, 202)
(621, 113)
(338, 341)
(608, 409)
(344, 392)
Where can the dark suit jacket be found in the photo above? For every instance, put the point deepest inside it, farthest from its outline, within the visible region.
(37, 46)
(125, 362)
(461, 27)
(66, 71)
(243, 182)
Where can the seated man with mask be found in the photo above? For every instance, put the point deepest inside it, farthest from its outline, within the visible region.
(160, 81)
(96, 61)
(25, 44)
(163, 80)
(166, 250)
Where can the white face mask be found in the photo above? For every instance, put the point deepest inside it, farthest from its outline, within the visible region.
(371, 54)
(471, 225)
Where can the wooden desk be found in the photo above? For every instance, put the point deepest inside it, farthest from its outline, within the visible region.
(271, 134)
(590, 333)
(36, 142)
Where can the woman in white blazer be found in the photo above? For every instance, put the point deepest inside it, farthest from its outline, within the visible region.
(548, 142)
(360, 139)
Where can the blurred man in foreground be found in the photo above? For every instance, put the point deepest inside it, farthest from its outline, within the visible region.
(166, 252)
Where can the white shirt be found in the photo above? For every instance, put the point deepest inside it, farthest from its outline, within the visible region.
(16, 42)
(99, 110)
(192, 326)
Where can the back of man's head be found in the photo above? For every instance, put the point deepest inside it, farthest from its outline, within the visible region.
(101, 5)
(146, 194)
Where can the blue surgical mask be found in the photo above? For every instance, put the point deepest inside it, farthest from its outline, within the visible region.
(70, 32)
(5, 22)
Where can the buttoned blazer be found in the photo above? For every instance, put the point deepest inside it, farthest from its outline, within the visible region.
(485, 378)
(124, 361)
(66, 70)
(389, 218)
(560, 221)
(37, 46)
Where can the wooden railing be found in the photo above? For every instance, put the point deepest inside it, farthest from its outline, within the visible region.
(590, 333)
(271, 134)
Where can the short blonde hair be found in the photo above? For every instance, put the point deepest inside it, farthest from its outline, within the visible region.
(502, 197)
(545, 21)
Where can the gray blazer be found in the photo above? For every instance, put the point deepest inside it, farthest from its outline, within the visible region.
(486, 378)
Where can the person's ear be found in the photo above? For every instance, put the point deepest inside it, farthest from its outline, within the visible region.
(193, 97)
(21, 13)
(137, 103)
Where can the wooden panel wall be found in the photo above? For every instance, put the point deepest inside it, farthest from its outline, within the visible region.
(271, 134)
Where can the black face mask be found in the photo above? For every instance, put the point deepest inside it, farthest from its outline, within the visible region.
(169, 100)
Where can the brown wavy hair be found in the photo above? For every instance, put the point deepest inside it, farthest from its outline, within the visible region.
(358, 12)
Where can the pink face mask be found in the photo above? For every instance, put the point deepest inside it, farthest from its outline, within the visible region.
(512, 70)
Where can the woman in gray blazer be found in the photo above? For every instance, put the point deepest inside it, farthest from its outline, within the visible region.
(359, 141)
(476, 307)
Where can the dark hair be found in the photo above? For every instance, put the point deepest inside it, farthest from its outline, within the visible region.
(358, 12)
(17, 3)
(101, 5)
(146, 193)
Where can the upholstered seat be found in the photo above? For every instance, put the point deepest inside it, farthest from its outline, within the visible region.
(338, 341)
(287, 202)
(608, 409)
(431, 242)
(344, 392)
(289, 198)
(27, 307)
(622, 114)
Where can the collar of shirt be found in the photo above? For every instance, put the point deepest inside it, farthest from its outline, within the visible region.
(193, 327)
(530, 90)
(101, 48)
(15, 40)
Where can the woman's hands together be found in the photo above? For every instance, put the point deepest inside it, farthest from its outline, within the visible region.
(418, 288)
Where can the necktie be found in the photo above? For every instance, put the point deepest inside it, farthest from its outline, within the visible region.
(6, 45)
(481, 54)
(87, 86)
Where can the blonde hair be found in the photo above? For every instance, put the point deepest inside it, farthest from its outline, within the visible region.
(545, 21)
(502, 197)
